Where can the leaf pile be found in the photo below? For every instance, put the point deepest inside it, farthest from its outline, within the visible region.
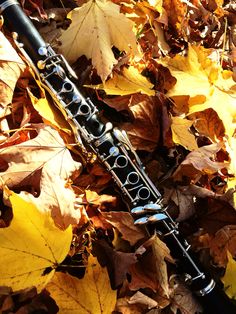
(165, 72)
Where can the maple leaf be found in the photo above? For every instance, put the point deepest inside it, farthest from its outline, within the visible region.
(181, 133)
(208, 123)
(203, 80)
(92, 294)
(46, 151)
(223, 242)
(144, 132)
(46, 159)
(200, 161)
(124, 222)
(30, 245)
(96, 26)
(130, 81)
(229, 277)
(11, 66)
(183, 298)
(118, 263)
(160, 254)
(176, 11)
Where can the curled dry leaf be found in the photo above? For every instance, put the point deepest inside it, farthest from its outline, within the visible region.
(30, 245)
(91, 294)
(140, 298)
(208, 124)
(184, 197)
(199, 162)
(124, 223)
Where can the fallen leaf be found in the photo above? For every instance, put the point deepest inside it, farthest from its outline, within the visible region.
(181, 133)
(128, 82)
(160, 254)
(11, 66)
(144, 132)
(215, 214)
(118, 263)
(124, 223)
(46, 151)
(208, 124)
(223, 242)
(31, 247)
(123, 306)
(49, 113)
(206, 84)
(46, 165)
(200, 161)
(229, 278)
(57, 198)
(143, 299)
(176, 11)
(97, 26)
(101, 201)
(183, 299)
(92, 294)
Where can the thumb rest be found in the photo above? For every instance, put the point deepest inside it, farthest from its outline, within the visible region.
(112, 147)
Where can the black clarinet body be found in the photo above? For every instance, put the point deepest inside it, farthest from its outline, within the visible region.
(114, 151)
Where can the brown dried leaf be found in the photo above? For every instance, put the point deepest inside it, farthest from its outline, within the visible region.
(183, 299)
(140, 298)
(124, 222)
(199, 162)
(215, 215)
(44, 159)
(118, 263)
(160, 254)
(123, 306)
(207, 123)
(176, 11)
(223, 241)
(144, 132)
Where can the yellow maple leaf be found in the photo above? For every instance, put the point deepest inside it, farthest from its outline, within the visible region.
(48, 113)
(208, 87)
(129, 82)
(92, 294)
(181, 134)
(30, 245)
(97, 26)
(229, 277)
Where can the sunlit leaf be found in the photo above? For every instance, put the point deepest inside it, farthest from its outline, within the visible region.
(92, 294)
(31, 247)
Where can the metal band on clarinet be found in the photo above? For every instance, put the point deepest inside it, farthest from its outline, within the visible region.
(7, 4)
(207, 289)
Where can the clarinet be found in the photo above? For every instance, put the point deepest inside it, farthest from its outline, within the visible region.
(114, 150)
